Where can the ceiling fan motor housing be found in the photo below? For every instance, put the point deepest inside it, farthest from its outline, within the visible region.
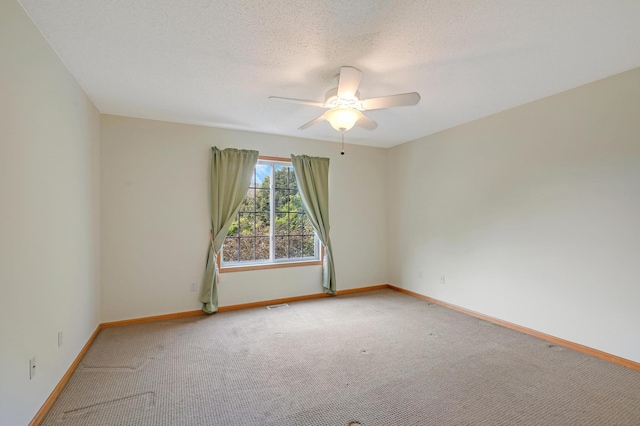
(331, 100)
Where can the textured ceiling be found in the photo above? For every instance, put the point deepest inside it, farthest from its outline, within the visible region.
(216, 62)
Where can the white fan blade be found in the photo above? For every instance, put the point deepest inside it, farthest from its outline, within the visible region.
(312, 122)
(298, 101)
(403, 99)
(348, 82)
(366, 123)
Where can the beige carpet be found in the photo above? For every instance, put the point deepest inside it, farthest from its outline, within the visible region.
(375, 358)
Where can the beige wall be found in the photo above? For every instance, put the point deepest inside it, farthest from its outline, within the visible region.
(155, 217)
(49, 217)
(532, 215)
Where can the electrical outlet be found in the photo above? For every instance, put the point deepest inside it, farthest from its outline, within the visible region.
(420, 274)
(32, 367)
(442, 279)
(193, 287)
(60, 338)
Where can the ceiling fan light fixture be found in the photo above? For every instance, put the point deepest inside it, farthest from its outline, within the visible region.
(342, 119)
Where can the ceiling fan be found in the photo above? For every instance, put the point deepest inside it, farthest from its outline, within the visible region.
(345, 106)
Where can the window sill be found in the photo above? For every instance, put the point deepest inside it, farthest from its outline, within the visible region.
(269, 266)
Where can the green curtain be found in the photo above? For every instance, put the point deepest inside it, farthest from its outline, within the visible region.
(231, 171)
(312, 176)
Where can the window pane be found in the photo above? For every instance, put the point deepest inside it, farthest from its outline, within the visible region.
(233, 230)
(295, 224)
(282, 247)
(247, 224)
(230, 250)
(295, 247)
(292, 179)
(296, 202)
(262, 201)
(307, 229)
(281, 177)
(261, 175)
(282, 224)
(247, 247)
(308, 246)
(248, 203)
(262, 248)
(262, 224)
(282, 200)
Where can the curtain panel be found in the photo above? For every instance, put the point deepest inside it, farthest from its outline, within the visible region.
(231, 172)
(312, 176)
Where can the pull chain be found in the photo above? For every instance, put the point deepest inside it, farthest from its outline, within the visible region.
(342, 134)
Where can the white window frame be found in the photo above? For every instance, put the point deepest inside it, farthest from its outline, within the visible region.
(272, 262)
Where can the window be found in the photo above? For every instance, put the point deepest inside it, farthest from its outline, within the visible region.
(271, 227)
